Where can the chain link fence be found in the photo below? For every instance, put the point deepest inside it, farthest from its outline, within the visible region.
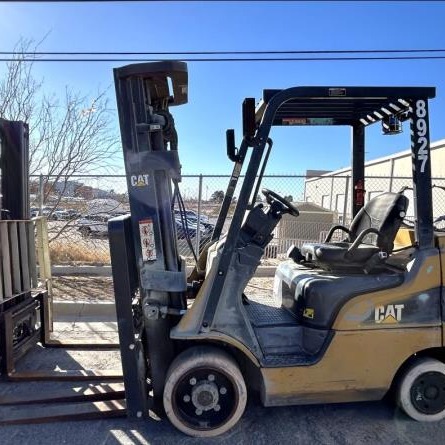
(78, 209)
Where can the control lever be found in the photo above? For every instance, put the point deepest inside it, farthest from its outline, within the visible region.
(232, 151)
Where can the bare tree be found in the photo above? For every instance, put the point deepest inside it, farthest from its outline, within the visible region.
(73, 138)
(18, 88)
(68, 136)
(217, 196)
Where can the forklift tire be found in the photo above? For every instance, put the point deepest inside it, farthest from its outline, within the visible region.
(205, 394)
(421, 390)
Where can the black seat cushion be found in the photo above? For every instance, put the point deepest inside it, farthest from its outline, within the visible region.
(335, 253)
(323, 296)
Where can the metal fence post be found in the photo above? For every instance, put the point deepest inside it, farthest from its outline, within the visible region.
(198, 231)
(345, 205)
(41, 191)
(332, 192)
(45, 262)
(391, 175)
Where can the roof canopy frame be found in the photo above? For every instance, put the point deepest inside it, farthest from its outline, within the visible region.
(359, 107)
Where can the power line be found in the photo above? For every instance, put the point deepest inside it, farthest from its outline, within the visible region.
(243, 52)
(228, 59)
(186, 1)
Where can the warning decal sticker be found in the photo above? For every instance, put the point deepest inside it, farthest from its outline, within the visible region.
(147, 240)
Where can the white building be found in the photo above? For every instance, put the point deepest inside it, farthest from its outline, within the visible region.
(332, 190)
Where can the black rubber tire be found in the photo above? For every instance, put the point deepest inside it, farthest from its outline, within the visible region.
(212, 360)
(423, 367)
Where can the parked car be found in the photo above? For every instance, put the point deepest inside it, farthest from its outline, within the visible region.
(192, 215)
(73, 213)
(60, 215)
(34, 211)
(192, 219)
(205, 228)
(93, 225)
(96, 225)
(50, 213)
(46, 211)
(182, 229)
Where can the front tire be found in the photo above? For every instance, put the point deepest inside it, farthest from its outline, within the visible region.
(205, 394)
(421, 391)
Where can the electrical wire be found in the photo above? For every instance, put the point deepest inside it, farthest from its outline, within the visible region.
(183, 1)
(240, 52)
(206, 59)
(271, 55)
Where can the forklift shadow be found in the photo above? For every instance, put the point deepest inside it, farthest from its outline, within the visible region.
(51, 384)
(73, 359)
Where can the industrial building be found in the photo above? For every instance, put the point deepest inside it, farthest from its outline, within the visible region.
(390, 173)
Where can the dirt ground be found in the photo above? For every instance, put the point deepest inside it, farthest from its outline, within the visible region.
(83, 289)
(100, 289)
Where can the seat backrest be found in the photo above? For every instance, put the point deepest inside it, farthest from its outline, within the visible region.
(384, 213)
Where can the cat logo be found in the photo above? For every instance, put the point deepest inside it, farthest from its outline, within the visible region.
(309, 313)
(139, 180)
(390, 314)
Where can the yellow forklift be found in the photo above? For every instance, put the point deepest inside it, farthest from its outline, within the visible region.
(348, 319)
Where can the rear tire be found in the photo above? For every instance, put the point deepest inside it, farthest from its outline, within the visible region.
(421, 390)
(205, 394)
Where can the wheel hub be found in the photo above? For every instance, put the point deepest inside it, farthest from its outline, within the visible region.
(431, 392)
(428, 393)
(205, 396)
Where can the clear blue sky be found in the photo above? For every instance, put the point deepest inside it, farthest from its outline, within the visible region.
(216, 90)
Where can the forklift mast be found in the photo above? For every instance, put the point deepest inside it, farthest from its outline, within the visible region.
(156, 279)
(148, 131)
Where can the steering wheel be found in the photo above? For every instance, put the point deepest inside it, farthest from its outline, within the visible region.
(272, 196)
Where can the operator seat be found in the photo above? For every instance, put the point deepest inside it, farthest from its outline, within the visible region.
(376, 223)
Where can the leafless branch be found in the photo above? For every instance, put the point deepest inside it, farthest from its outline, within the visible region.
(68, 135)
